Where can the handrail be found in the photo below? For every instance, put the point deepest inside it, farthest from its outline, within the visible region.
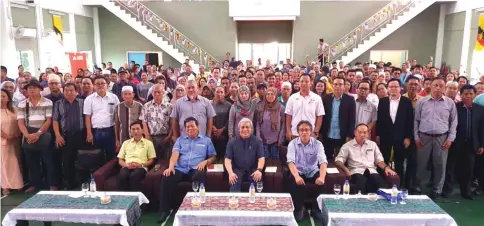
(370, 26)
(167, 31)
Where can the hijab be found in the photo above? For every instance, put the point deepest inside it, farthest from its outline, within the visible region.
(210, 90)
(245, 107)
(273, 108)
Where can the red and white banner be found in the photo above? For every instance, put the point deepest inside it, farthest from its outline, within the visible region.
(77, 60)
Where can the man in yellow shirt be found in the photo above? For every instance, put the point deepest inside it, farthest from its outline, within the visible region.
(135, 157)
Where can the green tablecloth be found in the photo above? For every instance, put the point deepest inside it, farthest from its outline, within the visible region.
(415, 206)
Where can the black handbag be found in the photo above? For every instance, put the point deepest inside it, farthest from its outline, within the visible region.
(89, 158)
(44, 141)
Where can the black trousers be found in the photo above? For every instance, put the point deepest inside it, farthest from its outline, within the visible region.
(73, 142)
(465, 166)
(130, 179)
(220, 147)
(400, 154)
(332, 146)
(479, 170)
(367, 182)
(298, 192)
(37, 160)
(169, 184)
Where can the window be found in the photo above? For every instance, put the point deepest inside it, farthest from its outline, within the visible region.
(275, 52)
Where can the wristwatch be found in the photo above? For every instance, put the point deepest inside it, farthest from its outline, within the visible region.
(259, 169)
(39, 132)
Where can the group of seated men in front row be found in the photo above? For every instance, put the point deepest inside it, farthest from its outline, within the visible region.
(244, 160)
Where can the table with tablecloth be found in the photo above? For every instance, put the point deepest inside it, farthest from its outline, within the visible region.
(359, 210)
(216, 210)
(67, 206)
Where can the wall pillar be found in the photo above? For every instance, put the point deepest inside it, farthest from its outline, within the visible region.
(97, 37)
(39, 21)
(439, 44)
(465, 42)
(72, 31)
(7, 40)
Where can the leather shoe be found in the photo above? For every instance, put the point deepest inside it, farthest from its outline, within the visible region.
(467, 196)
(163, 216)
(31, 190)
(299, 215)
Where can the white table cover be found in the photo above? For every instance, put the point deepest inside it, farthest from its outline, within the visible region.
(74, 215)
(385, 219)
(229, 217)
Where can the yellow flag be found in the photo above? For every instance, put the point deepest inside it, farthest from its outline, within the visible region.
(480, 34)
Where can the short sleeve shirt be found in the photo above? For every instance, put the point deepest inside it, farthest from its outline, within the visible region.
(37, 114)
(359, 158)
(138, 152)
(157, 117)
(304, 108)
(201, 109)
(192, 152)
(101, 109)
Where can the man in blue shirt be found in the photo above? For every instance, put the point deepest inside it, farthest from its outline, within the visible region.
(191, 155)
(244, 157)
(307, 162)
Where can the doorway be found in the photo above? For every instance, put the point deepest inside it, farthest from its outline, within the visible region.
(139, 57)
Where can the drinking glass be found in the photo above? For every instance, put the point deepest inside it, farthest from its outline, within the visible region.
(85, 188)
(404, 193)
(195, 186)
(337, 190)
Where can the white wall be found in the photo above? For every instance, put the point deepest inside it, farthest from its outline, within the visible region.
(66, 6)
(463, 5)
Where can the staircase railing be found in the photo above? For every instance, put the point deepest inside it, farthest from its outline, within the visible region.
(167, 31)
(368, 28)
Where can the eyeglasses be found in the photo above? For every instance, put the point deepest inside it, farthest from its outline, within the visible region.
(363, 89)
(100, 84)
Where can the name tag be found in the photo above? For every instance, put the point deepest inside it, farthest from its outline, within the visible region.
(110, 103)
(369, 150)
(200, 145)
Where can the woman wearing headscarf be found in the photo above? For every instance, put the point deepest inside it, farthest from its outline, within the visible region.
(179, 93)
(270, 124)
(242, 108)
(207, 93)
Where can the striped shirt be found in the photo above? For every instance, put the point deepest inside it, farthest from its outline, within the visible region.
(37, 114)
(69, 115)
(125, 115)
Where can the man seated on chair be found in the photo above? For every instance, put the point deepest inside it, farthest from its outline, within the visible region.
(358, 159)
(244, 157)
(307, 162)
(135, 156)
(190, 157)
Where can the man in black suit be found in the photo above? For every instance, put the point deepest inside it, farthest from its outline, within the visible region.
(394, 131)
(339, 121)
(469, 138)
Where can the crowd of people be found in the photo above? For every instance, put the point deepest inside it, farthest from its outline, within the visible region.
(370, 119)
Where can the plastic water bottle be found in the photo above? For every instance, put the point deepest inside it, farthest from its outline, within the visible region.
(92, 187)
(394, 197)
(252, 193)
(346, 189)
(202, 193)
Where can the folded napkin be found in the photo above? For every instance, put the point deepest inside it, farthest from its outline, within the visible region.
(387, 194)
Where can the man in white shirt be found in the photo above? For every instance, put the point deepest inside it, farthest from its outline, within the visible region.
(99, 113)
(304, 105)
(394, 132)
(323, 50)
